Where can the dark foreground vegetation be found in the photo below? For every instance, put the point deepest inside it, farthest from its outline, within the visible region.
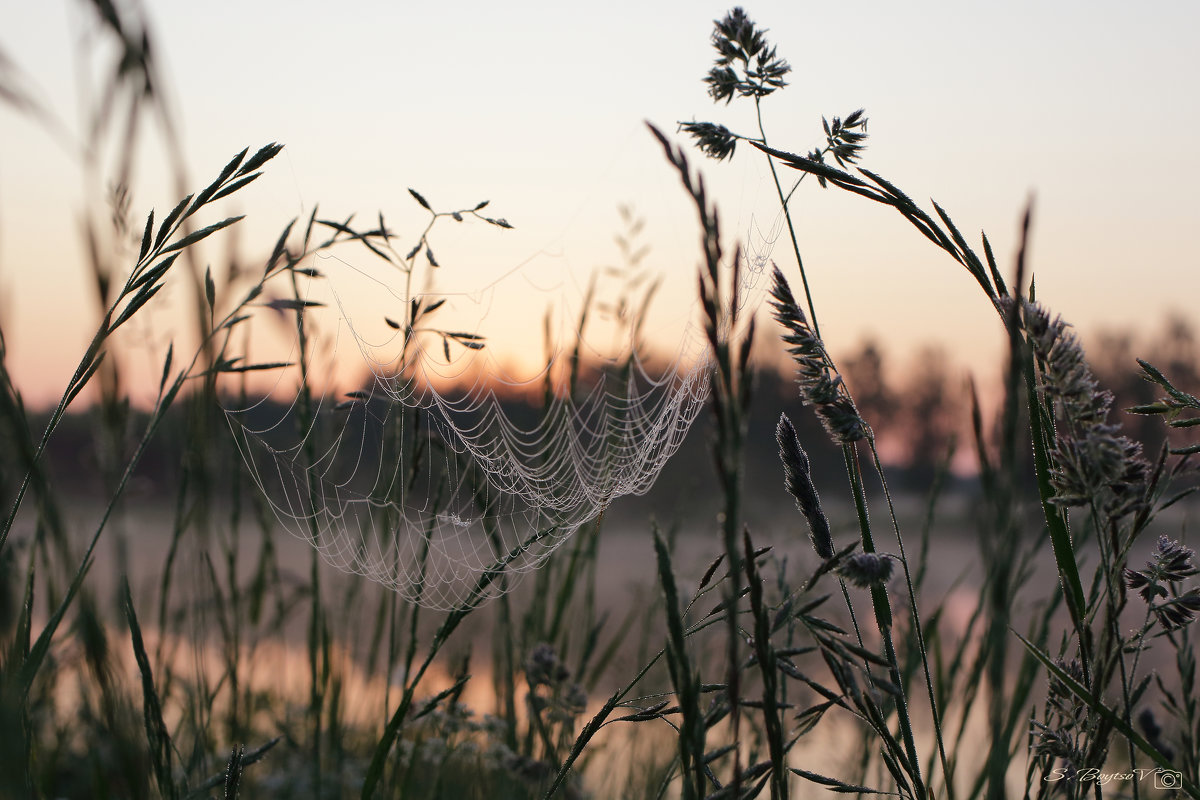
(728, 684)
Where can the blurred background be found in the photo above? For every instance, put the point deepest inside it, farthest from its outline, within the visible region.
(540, 109)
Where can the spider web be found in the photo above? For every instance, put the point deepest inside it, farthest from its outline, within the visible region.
(445, 478)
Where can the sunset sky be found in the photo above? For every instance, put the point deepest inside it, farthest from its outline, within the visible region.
(540, 108)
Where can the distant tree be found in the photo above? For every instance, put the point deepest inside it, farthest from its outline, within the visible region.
(1113, 357)
(1173, 349)
(865, 374)
(929, 413)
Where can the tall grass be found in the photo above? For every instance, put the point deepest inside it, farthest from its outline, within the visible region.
(736, 678)
(1080, 460)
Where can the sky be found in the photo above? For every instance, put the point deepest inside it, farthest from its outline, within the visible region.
(541, 107)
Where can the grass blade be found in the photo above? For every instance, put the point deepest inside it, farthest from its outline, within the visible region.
(203, 233)
(157, 736)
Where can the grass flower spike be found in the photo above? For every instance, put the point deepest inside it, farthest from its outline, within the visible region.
(820, 385)
(797, 478)
(1090, 460)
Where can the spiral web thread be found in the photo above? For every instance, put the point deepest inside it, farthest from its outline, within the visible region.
(449, 496)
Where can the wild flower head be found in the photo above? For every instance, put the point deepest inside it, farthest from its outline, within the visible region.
(747, 65)
(543, 668)
(1067, 707)
(865, 570)
(551, 689)
(1090, 461)
(1158, 584)
(1062, 737)
(715, 141)
(1055, 745)
(844, 138)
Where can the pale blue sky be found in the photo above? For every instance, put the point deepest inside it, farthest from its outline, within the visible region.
(539, 107)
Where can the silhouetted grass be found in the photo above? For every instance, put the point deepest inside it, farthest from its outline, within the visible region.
(732, 682)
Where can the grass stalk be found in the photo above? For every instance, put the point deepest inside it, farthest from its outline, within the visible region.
(883, 618)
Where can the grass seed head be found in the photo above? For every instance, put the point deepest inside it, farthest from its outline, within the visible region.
(867, 569)
(1089, 459)
(820, 385)
(797, 478)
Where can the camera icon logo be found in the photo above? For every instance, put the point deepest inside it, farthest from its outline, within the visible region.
(1167, 779)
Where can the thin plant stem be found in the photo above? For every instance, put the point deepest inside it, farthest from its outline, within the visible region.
(916, 619)
(787, 216)
(883, 616)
